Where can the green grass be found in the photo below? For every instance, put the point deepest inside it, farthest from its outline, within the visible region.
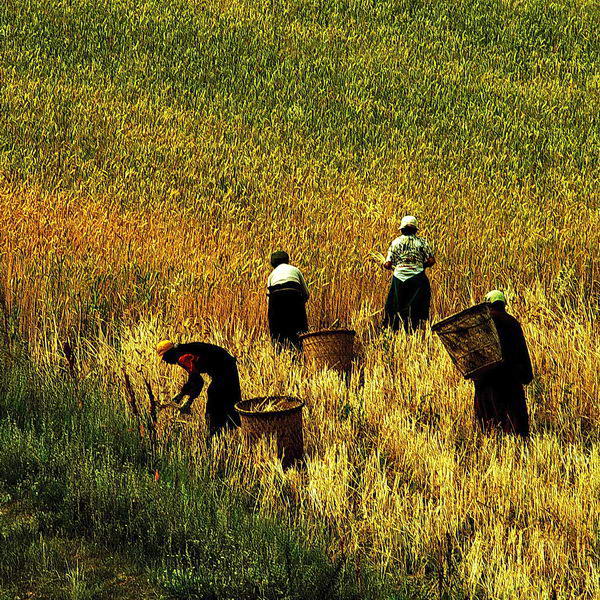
(77, 486)
(181, 100)
(38, 564)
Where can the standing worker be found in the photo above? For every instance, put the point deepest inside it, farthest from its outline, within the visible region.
(198, 358)
(287, 301)
(499, 393)
(410, 293)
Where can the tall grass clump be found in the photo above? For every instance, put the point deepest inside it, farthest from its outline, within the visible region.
(84, 471)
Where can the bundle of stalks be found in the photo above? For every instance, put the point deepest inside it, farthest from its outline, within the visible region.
(376, 257)
(272, 404)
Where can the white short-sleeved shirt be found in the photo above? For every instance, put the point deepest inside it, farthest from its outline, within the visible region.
(408, 254)
(284, 274)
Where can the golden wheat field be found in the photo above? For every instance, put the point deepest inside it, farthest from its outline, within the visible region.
(137, 206)
(396, 469)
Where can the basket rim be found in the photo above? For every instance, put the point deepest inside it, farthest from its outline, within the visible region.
(472, 309)
(303, 336)
(474, 373)
(239, 406)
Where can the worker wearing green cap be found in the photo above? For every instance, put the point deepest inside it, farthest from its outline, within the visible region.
(499, 393)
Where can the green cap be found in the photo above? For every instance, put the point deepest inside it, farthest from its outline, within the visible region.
(495, 296)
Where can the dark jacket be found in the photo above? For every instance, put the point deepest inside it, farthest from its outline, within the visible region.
(499, 393)
(514, 347)
(223, 392)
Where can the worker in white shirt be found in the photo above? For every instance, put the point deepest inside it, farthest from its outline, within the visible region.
(287, 301)
(410, 293)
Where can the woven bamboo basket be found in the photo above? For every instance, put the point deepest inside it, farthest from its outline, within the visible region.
(284, 424)
(329, 348)
(472, 340)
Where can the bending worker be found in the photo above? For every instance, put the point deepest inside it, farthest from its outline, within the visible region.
(287, 301)
(198, 358)
(499, 393)
(410, 293)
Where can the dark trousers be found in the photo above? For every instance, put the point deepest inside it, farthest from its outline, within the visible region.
(287, 317)
(408, 302)
(223, 393)
(500, 403)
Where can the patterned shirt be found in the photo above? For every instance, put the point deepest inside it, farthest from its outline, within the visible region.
(408, 254)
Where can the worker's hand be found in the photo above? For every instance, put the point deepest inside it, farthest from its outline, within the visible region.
(177, 399)
(173, 403)
(387, 265)
(168, 404)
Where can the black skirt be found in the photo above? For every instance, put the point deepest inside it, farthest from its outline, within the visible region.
(500, 403)
(408, 302)
(287, 316)
(222, 395)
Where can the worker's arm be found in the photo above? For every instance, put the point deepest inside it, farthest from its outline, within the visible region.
(389, 261)
(429, 262)
(522, 358)
(514, 348)
(429, 258)
(193, 386)
(303, 284)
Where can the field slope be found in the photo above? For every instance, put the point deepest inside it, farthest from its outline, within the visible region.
(154, 152)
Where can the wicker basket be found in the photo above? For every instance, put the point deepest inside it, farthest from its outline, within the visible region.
(472, 340)
(284, 423)
(329, 348)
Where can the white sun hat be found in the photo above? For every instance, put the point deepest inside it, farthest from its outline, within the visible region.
(408, 221)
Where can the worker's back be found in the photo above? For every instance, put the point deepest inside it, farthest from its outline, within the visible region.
(514, 346)
(408, 255)
(286, 276)
(211, 359)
